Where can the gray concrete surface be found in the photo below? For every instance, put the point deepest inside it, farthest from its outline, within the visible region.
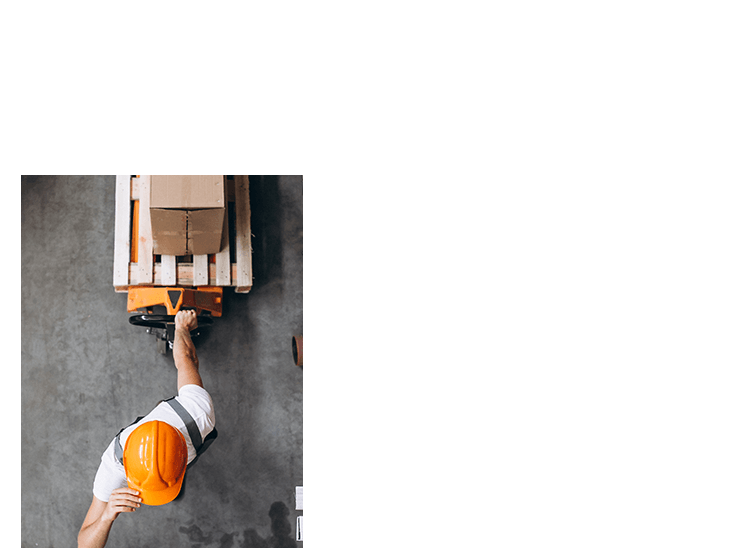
(86, 373)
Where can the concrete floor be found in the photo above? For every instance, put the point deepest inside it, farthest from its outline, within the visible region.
(86, 372)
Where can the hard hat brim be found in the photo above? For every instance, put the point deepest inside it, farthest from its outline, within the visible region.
(158, 498)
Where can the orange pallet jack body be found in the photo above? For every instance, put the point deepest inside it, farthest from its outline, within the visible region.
(208, 299)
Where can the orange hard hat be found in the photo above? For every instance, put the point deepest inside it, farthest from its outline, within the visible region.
(155, 458)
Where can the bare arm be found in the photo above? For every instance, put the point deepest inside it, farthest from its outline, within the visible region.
(101, 515)
(184, 352)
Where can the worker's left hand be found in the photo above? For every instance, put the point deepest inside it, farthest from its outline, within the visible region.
(186, 319)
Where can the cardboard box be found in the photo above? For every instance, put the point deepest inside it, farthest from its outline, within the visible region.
(187, 214)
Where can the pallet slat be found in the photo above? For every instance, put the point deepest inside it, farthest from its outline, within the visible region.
(222, 259)
(122, 244)
(243, 234)
(200, 270)
(168, 270)
(145, 233)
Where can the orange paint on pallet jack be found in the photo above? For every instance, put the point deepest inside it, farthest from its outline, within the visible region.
(135, 233)
(298, 350)
(174, 298)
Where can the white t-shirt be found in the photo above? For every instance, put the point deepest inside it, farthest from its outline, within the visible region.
(197, 401)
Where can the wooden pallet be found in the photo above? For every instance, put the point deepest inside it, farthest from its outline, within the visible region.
(135, 264)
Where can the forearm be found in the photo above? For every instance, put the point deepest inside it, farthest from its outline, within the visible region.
(95, 534)
(184, 351)
(186, 360)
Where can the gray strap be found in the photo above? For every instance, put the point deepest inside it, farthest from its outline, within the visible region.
(118, 445)
(118, 449)
(187, 419)
(185, 416)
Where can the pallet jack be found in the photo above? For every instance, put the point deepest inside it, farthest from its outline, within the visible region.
(159, 287)
(149, 301)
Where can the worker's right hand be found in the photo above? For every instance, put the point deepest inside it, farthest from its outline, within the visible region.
(186, 319)
(124, 499)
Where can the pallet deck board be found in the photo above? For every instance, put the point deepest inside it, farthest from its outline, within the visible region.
(243, 232)
(122, 245)
(145, 244)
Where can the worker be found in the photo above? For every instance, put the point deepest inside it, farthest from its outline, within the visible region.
(147, 461)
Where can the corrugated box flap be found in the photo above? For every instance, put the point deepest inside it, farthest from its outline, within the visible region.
(187, 191)
(169, 231)
(204, 229)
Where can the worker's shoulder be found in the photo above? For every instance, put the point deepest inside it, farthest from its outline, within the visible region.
(190, 390)
(193, 393)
